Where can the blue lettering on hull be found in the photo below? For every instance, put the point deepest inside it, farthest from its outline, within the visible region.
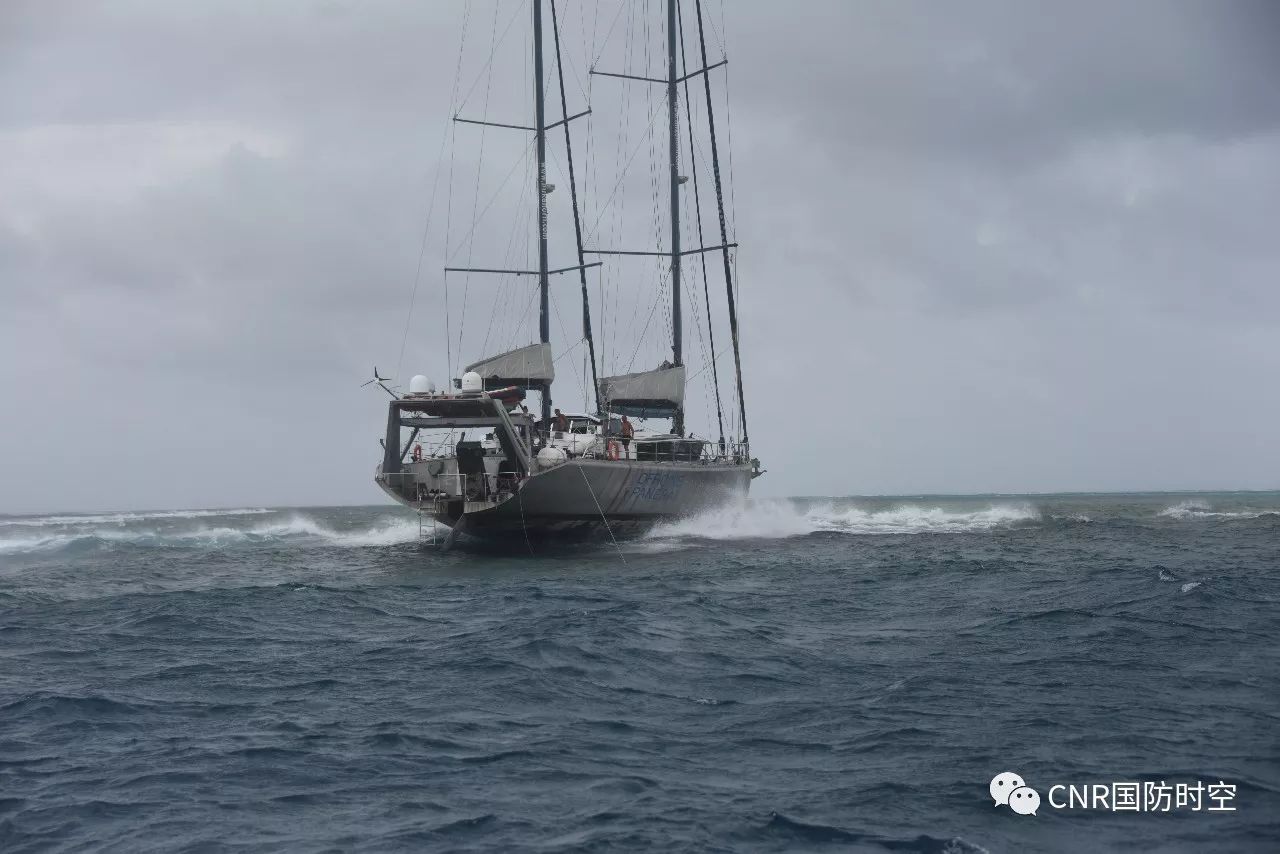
(657, 486)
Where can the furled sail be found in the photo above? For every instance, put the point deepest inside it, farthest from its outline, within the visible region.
(527, 367)
(648, 394)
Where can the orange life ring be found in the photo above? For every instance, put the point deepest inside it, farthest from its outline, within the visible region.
(612, 450)
(417, 453)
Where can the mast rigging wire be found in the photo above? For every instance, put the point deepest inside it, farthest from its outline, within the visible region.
(431, 207)
(493, 53)
(577, 220)
(715, 163)
(697, 200)
(475, 201)
(603, 517)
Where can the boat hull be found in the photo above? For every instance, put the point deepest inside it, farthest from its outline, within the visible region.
(586, 498)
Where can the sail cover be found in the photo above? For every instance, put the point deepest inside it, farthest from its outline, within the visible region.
(528, 367)
(649, 394)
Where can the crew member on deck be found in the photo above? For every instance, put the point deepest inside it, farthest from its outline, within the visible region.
(626, 432)
(561, 422)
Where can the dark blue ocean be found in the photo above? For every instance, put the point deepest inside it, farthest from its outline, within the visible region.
(844, 675)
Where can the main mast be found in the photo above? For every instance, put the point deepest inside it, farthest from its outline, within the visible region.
(540, 129)
(673, 117)
(724, 232)
(672, 80)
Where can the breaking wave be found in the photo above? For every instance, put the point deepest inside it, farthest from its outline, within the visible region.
(123, 518)
(1204, 510)
(110, 531)
(780, 518)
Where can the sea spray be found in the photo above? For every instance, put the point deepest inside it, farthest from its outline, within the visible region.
(779, 518)
(191, 530)
(1204, 510)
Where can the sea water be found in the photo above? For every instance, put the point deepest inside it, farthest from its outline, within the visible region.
(835, 674)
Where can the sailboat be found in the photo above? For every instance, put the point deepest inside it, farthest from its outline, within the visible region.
(588, 473)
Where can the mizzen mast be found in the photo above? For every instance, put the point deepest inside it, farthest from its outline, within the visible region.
(673, 125)
(540, 129)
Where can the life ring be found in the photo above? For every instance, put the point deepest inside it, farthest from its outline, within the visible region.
(417, 453)
(613, 450)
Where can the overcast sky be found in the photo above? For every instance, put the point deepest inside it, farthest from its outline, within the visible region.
(985, 247)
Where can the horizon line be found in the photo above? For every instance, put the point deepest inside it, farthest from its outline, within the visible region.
(248, 507)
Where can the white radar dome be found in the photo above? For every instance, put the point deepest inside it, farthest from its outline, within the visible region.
(421, 385)
(471, 381)
(549, 457)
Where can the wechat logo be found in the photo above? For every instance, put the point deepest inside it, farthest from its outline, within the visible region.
(1008, 789)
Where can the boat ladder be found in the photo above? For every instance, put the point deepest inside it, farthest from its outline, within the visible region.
(426, 535)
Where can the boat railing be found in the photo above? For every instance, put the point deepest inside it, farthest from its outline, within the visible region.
(707, 453)
(485, 488)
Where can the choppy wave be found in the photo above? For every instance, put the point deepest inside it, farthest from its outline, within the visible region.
(1204, 510)
(635, 705)
(776, 519)
(779, 519)
(123, 518)
(297, 529)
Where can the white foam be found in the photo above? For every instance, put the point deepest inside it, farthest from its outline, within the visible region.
(766, 519)
(53, 542)
(125, 518)
(298, 528)
(302, 527)
(780, 519)
(390, 533)
(1190, 585)
(1203, 510)
(26, 545)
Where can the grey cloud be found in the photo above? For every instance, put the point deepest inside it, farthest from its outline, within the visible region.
(1001, 84)
(994, 246)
